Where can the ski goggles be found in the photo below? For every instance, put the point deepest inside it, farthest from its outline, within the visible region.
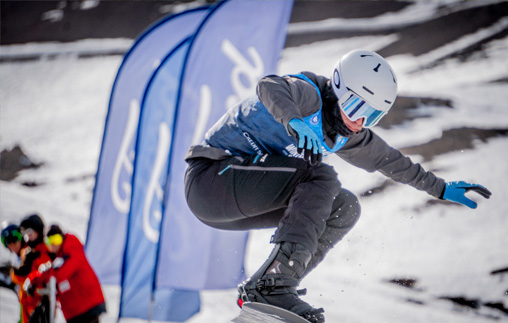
(27, 231)
(354, 107)
(53, 240)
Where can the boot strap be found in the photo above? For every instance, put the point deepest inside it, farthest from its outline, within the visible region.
(278, 280)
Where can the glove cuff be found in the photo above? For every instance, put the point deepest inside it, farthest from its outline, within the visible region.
(441, 196)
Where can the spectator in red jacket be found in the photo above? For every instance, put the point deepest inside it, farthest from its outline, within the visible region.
(34, 256)
(78, 289)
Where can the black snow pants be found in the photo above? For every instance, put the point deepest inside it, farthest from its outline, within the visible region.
(305, 203)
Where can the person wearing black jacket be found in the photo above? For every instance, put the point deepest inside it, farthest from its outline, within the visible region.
(25, 241)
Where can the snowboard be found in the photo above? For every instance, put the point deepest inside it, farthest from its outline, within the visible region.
(264, 313)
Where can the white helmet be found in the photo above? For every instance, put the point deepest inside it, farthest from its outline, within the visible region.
(365, 85)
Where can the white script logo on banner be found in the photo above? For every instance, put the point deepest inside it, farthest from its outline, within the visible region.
(154, 189)
(124, 161)
(252, 73)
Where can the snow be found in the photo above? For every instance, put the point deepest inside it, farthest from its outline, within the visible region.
(56, 108)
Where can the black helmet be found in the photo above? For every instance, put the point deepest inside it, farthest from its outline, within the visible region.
(54, 229)
(35, 223)
(11, 234)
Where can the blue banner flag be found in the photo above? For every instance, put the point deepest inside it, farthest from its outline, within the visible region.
(107, 225)
(150, 173)
(238, 43)
(177, 80)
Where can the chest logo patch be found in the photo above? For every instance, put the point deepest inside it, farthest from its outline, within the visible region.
(314, 120)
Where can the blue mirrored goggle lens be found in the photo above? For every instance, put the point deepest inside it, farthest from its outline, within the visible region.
(372, 117)
(355, 108)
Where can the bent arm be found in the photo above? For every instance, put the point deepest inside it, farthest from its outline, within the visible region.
(287, 97)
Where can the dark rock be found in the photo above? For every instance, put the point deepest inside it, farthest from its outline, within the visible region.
(31, 184)
(451, 23)
(476, 304)
(23, 21)
(498, 306)
(321, 10)
(404, 282)
(415, 301)
(500, 271)
(462, 301)
(501, 80)
(12, 162)
(453, 140)
(404, 107)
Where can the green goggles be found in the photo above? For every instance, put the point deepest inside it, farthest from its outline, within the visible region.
(11, 237)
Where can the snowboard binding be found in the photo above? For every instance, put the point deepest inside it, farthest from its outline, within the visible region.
(276, 282)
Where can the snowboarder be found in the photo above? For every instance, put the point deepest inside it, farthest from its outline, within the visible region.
(260, 167)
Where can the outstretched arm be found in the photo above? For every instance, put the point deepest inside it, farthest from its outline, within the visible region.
(368, 151)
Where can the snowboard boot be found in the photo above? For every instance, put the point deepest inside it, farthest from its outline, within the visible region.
(276, 281)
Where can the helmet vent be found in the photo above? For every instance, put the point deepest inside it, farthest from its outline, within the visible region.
(376, 69)
(366, 89)
(389, 102)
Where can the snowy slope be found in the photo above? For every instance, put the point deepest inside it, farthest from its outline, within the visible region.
(55, 109)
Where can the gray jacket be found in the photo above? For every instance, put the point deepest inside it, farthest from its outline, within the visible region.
(290, 97)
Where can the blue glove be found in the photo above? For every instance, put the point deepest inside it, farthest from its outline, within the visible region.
(308, 141)
(455, 192)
